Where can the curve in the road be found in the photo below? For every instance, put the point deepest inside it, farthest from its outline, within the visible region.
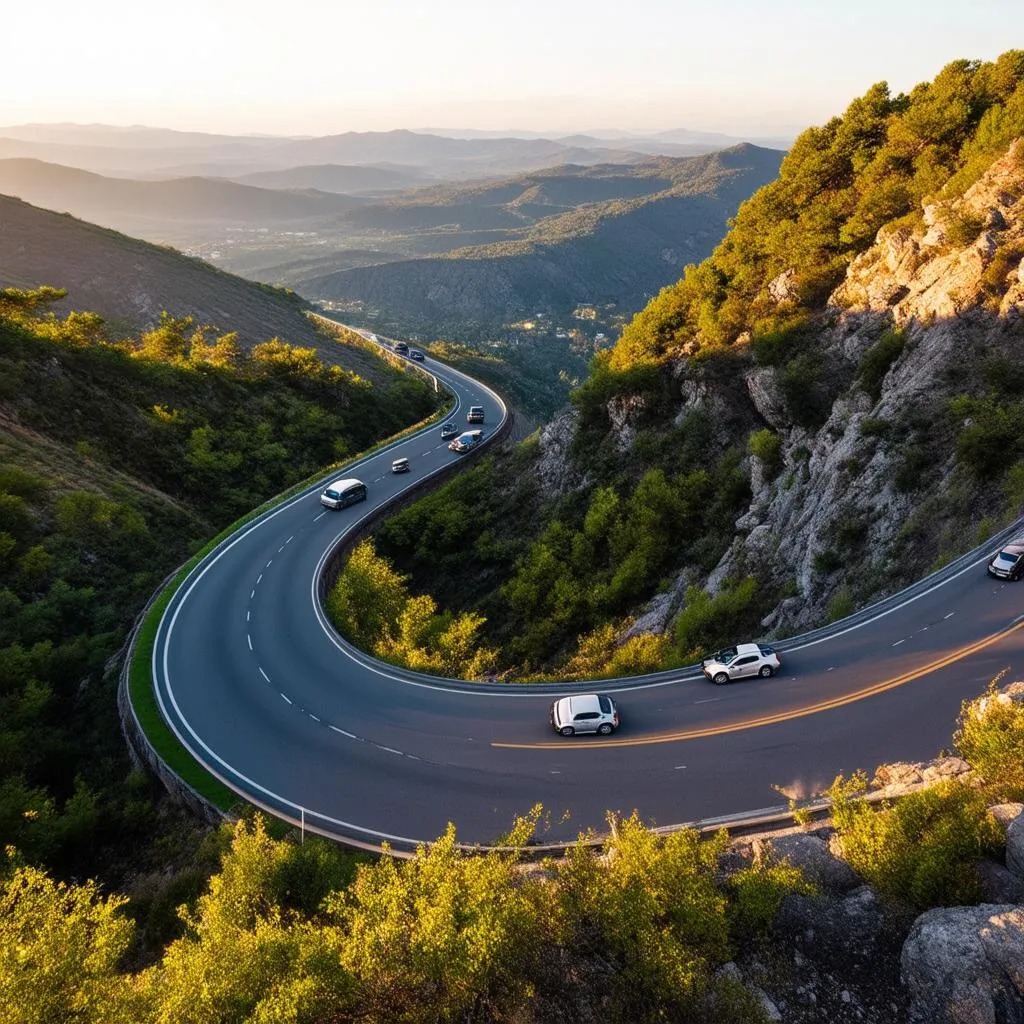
(262, 691)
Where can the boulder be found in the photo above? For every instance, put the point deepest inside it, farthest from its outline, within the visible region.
(813, 857)
(999, 884)
(965, 965)
(850, 929)
(766, 394)
(1015, 846)
(1006, 814)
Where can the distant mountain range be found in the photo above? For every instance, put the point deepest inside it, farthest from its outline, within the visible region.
(157, 152)
(130, 283)
(600, 234)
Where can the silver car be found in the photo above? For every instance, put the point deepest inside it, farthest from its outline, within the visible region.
(1008, 563)
(741, 662)
(587, 712)
(450, 429)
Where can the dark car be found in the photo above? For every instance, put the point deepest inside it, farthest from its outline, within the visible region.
(401, 348)
(1008, 563)
(450, 429)
(415, 353)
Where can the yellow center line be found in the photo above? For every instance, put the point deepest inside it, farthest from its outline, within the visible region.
(782, 716)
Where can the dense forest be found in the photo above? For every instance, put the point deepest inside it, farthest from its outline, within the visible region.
(117, 461)
(650, 486)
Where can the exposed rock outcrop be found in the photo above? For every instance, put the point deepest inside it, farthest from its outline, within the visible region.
(965, 965)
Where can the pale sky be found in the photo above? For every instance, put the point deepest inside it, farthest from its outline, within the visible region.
(319, 67)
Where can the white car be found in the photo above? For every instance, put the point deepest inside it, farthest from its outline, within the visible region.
(467, 441)
(587, 712)
(741, 662)
(400, 466)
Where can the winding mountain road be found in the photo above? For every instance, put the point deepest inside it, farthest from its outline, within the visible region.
(257, 685)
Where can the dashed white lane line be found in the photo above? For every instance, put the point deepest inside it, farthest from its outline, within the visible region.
(252, 593)
(269, 564)
(290, 539)
(949, 616)
(264, 674)
(315, 719)
(248, 615)
(678, 766)
(706, 700)
(377, 479)
(425, 454)
(553, 772)
(898, 642)
(319, 517)
(391, 750)
(258, 578)
(248, 636)
(285, 698)
(350, 735)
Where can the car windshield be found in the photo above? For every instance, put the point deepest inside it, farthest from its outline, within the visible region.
(332, 493)
(1006, 556)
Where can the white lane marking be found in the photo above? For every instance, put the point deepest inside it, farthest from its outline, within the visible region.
(678, 766)
(311, 715)
(316, 519)
(553, 772)
(290, 539)
(377, 479)
(258, 578)
(248, 636)
(425, 454)
(390, 750)
(252, 593)
(269, 564)
(285, 698)
(898, 642)
(706, 700)
(350, 735)
(248, 615)
(280, 549)
(262, 673)
(949, 616)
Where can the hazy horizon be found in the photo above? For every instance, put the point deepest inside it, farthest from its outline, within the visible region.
(220, 66)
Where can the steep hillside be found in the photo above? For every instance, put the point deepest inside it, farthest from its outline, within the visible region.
(824, 410)
(130, 283)
(118, 459)
(575, 236)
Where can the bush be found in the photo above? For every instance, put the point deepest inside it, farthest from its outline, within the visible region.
(706, 622)
(920, 850)
(840, 606)
(964, 228)
(766, 445)
(757, 893)
(877, 360)
(990, 738)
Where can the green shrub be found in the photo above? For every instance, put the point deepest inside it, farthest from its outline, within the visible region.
(706, 622)
(767, 446)
(877, 360)
(964, 228)
(757, 893)
(921, 850)
(875, 426)
(990, 737)
(840, 606)
(827, 561)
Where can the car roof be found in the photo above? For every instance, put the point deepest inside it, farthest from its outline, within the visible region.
(347, 482)
(582, 702)
(1015, 547)
(402, 459)
(747, 649)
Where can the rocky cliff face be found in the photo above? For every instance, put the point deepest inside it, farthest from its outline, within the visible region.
(858, 505)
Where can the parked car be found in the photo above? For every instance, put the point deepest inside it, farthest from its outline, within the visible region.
(475, 414)
(400, 466)
(464, 442)
(584, 713)
(741, 662)
(1008, 562)
(342, 493)
(450, 429)
(415, 353)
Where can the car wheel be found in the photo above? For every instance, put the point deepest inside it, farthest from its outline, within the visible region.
(766, 671)
(606, 728)
(567, 730)
(721, 678)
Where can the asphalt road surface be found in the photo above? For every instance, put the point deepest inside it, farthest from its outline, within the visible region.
(262, 691)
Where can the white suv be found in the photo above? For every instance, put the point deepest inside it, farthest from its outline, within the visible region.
(588, 712)
(740, 662)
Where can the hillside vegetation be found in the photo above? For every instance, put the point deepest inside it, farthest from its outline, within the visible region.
(820, 412)
(118, 459)
(130, 283)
